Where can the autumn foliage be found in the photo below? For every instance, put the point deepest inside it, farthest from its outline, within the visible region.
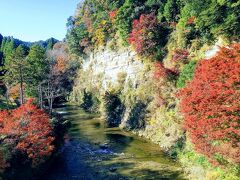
(180, 55)
(143, 36)
(211, 106)
(112, 14)
(160, 71)
(29, 129)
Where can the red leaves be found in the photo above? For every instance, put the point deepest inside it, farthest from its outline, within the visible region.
(180, 55)
(191, 20)
(211, 106)
(160, 71)
(112, 14)
(30, 129)
(142, 35)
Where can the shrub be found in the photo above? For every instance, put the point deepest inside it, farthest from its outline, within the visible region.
(180, 55)
(136, 117)
(101, 34)
(147, 35)
(186, 74)
(210, 104)
(90, 102)
(114, 109)
(161, 73)
(29, 129)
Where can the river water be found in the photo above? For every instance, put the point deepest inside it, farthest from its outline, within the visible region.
(92, 151)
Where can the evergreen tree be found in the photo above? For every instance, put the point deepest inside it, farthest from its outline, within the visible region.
(3, 43)
(1, 38)
(36, 69)
(16, 66)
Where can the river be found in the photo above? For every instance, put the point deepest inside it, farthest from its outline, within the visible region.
(92, 151)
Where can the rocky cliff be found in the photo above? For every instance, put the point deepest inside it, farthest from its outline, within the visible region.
(110, 64)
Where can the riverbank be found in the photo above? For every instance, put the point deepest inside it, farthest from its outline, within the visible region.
(29, 142)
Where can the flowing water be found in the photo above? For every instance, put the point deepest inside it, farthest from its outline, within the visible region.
(92, 151)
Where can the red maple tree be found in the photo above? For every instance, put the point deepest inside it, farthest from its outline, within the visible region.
(142, 36)
(211, 106)
(30, 129)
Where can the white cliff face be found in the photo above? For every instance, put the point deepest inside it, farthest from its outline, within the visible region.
(212, 52)
(110, 64)
(215, 48)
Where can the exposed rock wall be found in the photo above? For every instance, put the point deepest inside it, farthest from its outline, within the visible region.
(111, 63)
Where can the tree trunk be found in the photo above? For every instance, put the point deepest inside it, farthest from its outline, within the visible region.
(51, 105)
(21, 94)
(7, 96)
(21, 87)
(40, 96)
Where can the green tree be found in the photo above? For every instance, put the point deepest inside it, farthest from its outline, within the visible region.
(172, 10)
(74, 38)
(36, 68)
(16, 66)
(1, 38)
(124, 20)
(3, 43)
(187, 74)
(51, 42)
(8, 48)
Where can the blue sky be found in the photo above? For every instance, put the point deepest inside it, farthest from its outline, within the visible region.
(32, 20)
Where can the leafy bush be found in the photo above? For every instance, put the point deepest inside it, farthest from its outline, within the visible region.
(161, 73)
(186, 74)
(113, 109)
(90, 102)
(101, 33)
(29, 131)
(180, 55)
(210, 104)
(197, 166)
(137, 116)
(147, 35)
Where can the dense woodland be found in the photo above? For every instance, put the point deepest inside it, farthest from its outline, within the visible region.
(191, 102)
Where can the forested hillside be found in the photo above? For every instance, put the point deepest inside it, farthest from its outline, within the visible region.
(186, 96)
(128, 74)
(8, 44)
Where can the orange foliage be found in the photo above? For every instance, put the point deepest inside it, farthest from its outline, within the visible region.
(87, 20)
(14, 92)
(61, 64)
(191, 20)
(30, 129)
(59, 53)
(112, 14)
(211, 107)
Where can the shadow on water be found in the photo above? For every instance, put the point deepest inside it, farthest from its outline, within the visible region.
(93, 151)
